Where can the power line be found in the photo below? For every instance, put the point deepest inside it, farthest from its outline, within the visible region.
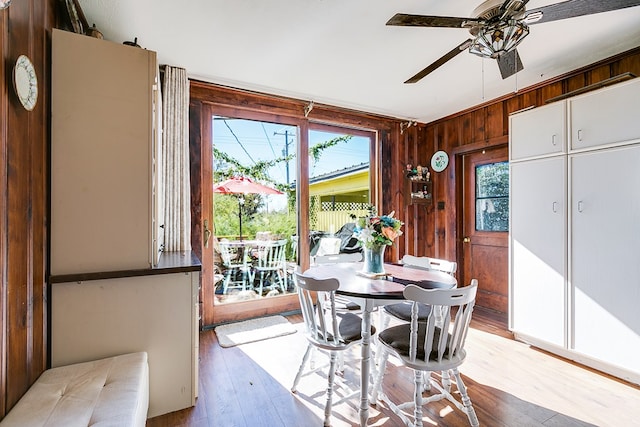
(239, 143)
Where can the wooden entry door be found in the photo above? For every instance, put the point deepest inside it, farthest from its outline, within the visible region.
(485, 226)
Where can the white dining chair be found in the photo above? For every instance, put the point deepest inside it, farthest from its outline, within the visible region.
(430, 346)
(342, 303)
(326, 329)
(271, 261)
(234, 261)
(402, 310)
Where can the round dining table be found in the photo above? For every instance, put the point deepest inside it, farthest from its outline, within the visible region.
(369, 291)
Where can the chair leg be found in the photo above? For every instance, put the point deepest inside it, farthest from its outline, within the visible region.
(446, 381)
(284, 285)
(305, 358)
(383, 323)
(427, 380)
(261, 283)
(331, 377)
(377, 384)
(227, 279)
(417, 399)
(466, 402)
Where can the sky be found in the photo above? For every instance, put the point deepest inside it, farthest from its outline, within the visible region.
(250, 141)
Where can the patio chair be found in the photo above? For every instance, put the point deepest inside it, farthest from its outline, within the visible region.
(234, 261)
(326, 329)
(271, 263)
(431, 346)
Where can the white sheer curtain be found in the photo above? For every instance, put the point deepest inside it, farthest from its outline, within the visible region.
(175, 177)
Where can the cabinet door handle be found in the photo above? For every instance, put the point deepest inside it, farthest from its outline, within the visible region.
(580, 206)
(579, 134)
(555, 207)
(553, 140)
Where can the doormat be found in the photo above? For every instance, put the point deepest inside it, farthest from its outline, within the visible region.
(253, 330)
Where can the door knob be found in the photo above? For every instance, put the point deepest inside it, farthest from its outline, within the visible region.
(466, 240)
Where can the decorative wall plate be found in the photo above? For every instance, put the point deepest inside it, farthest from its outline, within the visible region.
(439, 161)
(25, 82)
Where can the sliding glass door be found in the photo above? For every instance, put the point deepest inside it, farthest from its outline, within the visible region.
(274, 210)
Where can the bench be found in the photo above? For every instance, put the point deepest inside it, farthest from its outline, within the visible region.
(106, 392)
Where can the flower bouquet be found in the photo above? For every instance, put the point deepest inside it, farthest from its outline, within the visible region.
(375, 233)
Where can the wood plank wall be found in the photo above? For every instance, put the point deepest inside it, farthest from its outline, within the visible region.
(24, 140)
(434, 232)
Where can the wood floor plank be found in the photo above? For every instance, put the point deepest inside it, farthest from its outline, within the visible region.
(510, 384)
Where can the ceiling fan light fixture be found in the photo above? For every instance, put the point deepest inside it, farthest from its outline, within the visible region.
(491, 42)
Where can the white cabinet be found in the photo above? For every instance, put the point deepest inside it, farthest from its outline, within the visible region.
(574, 266)
(538, 132)
(605, 267)
(605, 116)
(157, 314)
(538, 248)
(102, 153)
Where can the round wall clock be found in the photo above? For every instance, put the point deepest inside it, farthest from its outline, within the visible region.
(25, 82)
(439, 161)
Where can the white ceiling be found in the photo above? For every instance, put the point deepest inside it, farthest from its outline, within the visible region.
(340, 52)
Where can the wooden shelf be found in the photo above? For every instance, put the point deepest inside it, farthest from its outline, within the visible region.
(419, 191)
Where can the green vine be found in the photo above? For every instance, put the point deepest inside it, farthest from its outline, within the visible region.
(258, 171)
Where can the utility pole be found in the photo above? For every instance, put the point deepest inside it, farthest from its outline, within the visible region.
(285, 150)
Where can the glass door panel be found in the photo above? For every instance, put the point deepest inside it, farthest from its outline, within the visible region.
(339, 184)
(254, 229)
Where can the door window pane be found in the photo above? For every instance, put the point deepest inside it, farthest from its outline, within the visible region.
(492, 197)
(255, 230)
(338, 189)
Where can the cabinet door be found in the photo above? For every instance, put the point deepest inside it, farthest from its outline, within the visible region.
(606, 116)
(101, 153)
(101, 318)
(605, 266)
(538, 132)
(538, 248)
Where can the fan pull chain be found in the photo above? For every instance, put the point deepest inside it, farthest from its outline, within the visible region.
(482, 79)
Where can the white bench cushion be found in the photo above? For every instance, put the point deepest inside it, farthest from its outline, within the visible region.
(107, 392)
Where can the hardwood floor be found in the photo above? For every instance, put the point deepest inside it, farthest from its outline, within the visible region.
(510, 384)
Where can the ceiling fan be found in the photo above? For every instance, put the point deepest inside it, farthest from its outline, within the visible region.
(498, 26)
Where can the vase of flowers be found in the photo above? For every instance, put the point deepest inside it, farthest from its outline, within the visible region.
(375, 233)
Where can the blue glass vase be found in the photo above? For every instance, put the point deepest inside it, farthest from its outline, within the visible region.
(374, 259)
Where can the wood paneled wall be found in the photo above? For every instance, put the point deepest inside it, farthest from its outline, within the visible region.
(24, 140)
(433, 232)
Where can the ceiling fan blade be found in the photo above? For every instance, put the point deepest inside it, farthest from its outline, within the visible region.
(404, 20)
(573, 8)
(509, 63)
(449, 55)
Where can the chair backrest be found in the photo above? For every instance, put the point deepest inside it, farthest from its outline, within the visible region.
(230, 254)
(272, 254)
(444, 338)
(319, 314)
(294, 248)
(445, 266)
(338, 258)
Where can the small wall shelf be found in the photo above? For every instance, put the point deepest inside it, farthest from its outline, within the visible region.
(419, 188)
